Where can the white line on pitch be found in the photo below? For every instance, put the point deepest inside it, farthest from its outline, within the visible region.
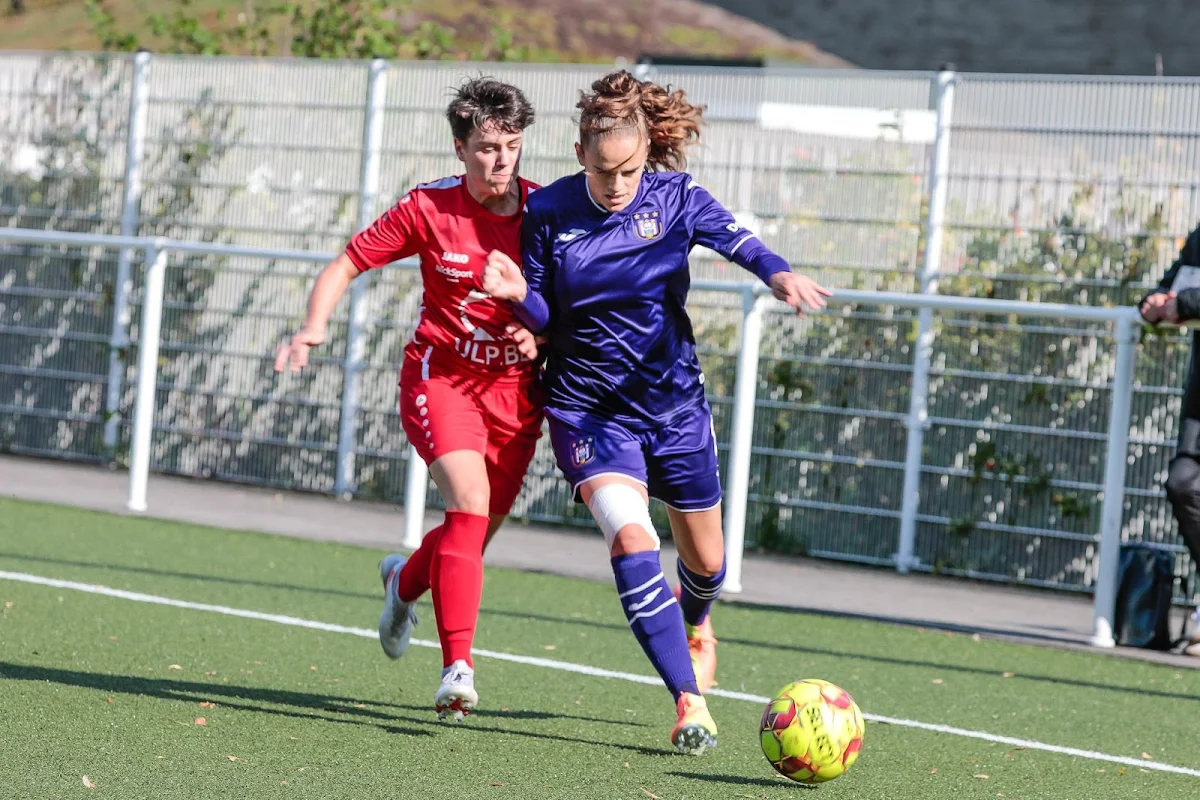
(581, 669)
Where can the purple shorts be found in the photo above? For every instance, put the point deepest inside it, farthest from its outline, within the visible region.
(677, 463)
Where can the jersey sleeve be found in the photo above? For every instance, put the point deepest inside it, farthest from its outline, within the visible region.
(537, 262)
(714, 227)
(397, 234)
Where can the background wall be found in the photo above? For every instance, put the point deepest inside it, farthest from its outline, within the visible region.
(1109, 37)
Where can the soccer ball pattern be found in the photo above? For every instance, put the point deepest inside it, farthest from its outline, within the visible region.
(812, 731)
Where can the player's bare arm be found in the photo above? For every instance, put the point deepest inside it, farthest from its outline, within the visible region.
(330, 285)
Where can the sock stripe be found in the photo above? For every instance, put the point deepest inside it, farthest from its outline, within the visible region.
(644, 596)
(644, 614)
(643, 587)
(707, 592)
(638, 605)
(697, 592)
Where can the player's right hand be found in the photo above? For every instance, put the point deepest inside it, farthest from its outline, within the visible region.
(502, 278)
(295, 350)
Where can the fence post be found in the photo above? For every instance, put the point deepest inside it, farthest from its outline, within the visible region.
(416, 485)
(1112, 513)
(741, 439)
(918, 409)
(147, 375)
(356, 333)
(135, 147)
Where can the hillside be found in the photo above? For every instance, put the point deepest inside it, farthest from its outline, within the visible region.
(543, 30)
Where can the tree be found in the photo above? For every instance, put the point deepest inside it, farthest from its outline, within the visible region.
(321, 29)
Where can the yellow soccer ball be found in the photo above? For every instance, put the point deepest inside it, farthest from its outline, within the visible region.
(812, 731)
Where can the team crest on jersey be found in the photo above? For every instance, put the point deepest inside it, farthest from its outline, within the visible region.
(647, 225)
(583, 451)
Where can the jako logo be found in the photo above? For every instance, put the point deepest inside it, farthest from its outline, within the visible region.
(455, 258)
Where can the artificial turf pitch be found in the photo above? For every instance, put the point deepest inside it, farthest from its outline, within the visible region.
(155, 701)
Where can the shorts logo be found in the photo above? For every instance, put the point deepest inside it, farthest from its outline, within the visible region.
(583, 451)
(646, 225)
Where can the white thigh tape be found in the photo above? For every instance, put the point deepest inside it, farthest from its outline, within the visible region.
(616, 505)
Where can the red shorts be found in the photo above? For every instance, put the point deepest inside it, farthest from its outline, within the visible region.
(498, 417)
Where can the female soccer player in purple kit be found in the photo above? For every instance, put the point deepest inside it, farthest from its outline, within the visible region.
(606, 279)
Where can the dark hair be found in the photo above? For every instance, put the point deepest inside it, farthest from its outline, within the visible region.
(486, 101)
(620, 102)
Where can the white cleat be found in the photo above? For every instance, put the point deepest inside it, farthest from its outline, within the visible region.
(398, 618)
(456, 697)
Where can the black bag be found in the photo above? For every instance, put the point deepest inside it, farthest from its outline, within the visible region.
(1145, 586)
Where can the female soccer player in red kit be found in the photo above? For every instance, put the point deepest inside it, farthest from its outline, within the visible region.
(470, 401)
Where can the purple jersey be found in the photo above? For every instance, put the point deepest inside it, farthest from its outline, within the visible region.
(610, 288)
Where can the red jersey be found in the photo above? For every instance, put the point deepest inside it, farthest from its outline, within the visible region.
(452, 234)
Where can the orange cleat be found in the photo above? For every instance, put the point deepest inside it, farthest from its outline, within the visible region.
(703, 647)
(695, 731)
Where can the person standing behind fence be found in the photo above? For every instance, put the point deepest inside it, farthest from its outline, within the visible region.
(1177, 300)
(606, 276)
(470, 401)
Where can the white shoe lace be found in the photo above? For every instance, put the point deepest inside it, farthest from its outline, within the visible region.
(458, 674)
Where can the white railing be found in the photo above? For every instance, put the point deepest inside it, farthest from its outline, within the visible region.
(755, 303)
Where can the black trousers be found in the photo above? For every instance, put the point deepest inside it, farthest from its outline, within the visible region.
(1183, 479)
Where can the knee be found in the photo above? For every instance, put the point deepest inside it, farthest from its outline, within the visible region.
(632, 539)
(474, 500)
(624, 519)
(709, 564)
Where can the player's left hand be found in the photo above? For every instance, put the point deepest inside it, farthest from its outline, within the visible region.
(1161, 307)
(798, 291)
(527, 343)
(502, 278)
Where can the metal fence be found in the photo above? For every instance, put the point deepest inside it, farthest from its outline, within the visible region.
(737, 472)
(1026, 188)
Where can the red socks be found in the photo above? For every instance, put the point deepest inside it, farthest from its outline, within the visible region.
(456, 581)
(414, 575)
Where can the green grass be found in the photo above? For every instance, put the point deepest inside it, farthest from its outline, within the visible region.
(110, 688)
(545, 30)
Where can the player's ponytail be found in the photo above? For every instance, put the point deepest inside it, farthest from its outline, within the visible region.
(621, 102)
(672, 123)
